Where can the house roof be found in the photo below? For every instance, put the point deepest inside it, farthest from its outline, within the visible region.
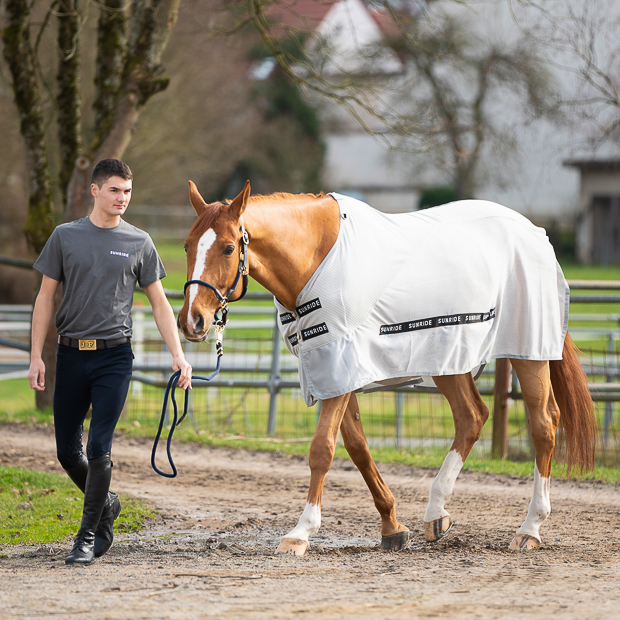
(302, 15)
(307, 15)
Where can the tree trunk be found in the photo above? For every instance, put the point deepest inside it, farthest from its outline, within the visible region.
(79, 198)
(68, 99)
(19, 56)
(128, 75)
(40, 223)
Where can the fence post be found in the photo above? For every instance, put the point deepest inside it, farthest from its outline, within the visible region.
(499, 446)
(609, 412)
(274, 379)
(399, 418)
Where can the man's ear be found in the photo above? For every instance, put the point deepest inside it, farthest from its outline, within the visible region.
(196, 199)
(238, 205)
(93, 189)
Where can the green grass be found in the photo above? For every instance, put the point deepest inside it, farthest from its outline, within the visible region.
(576, 271)
(16, 395)
(38, 507)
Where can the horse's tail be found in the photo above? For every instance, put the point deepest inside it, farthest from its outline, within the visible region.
(577, 421)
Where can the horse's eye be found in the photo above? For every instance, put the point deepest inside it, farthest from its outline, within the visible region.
(228, 250)
(185, 248)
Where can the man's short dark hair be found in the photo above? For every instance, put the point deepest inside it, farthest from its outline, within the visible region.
(107, 168)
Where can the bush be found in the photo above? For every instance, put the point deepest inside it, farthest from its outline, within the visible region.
(435, 196)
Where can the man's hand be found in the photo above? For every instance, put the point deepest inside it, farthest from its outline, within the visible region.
(167, 326)
(185, 380)
(36, 375)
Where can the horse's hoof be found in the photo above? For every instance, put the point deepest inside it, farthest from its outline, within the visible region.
(395, 542)
(524, 542)
(437, 529)
(294, 546)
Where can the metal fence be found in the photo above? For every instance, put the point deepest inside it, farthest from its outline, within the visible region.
(257, 392)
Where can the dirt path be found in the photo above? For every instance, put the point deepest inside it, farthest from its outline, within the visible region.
(211, 553)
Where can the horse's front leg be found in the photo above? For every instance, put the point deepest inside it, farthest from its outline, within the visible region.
(470, 413)
(544, 417)
(394, 536)
(320, 459)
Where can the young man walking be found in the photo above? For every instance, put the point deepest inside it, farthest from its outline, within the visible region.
(98, 259)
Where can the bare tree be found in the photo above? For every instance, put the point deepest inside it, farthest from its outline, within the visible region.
(459, 87)
(131, 40)
(580, 41)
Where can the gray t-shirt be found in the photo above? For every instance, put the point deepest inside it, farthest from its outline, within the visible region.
(98, 268)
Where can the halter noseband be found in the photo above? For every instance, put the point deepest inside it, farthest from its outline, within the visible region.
(242, 272)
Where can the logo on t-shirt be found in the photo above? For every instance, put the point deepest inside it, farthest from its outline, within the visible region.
(119, 253)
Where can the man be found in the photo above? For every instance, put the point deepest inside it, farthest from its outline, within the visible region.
(98, 259)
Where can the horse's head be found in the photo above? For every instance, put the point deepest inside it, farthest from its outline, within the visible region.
(213, 249)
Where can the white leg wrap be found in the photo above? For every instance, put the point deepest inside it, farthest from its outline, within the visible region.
(309, 523)
(442, 487)
(540, 506)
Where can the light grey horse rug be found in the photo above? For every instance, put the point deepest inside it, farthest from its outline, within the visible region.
(401, 298)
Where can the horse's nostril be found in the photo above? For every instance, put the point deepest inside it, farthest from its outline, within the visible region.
(200, 323)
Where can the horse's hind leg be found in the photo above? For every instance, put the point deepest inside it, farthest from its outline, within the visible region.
(320, 459)
(394, 536)
(470, 413)
(544, 417)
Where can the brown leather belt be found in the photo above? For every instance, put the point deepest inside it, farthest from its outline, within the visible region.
(91, 345)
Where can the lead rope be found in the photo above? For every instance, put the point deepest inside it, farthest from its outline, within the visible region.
(242, 272)
(170, 390)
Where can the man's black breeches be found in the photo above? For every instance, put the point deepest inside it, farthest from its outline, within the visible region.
(100, 378)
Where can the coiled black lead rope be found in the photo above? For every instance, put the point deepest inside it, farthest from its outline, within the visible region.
(170, 390)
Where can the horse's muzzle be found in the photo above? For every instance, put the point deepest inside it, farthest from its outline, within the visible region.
(195, 330)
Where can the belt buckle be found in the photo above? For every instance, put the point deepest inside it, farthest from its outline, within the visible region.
(87, 345)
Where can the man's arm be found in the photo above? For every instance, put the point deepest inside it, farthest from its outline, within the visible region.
(167, 326)
(41, 317)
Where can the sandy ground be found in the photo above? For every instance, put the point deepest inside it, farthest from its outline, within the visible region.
(210, 554)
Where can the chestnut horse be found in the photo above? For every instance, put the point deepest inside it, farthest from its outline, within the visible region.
(289, 236)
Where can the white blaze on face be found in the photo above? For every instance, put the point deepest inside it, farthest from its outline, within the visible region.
(206, 241)
(442, 487)
(540, 506)
(309, 523)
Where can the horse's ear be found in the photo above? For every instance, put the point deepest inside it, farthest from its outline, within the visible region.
(237, 206)
(196, 199)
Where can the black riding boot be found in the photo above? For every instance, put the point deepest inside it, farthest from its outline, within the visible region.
(95, 498)
(104, 535)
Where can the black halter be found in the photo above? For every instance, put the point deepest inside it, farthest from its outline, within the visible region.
(242, 272)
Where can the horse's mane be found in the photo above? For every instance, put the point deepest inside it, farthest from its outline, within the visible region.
(281, 196)
(213, 210)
